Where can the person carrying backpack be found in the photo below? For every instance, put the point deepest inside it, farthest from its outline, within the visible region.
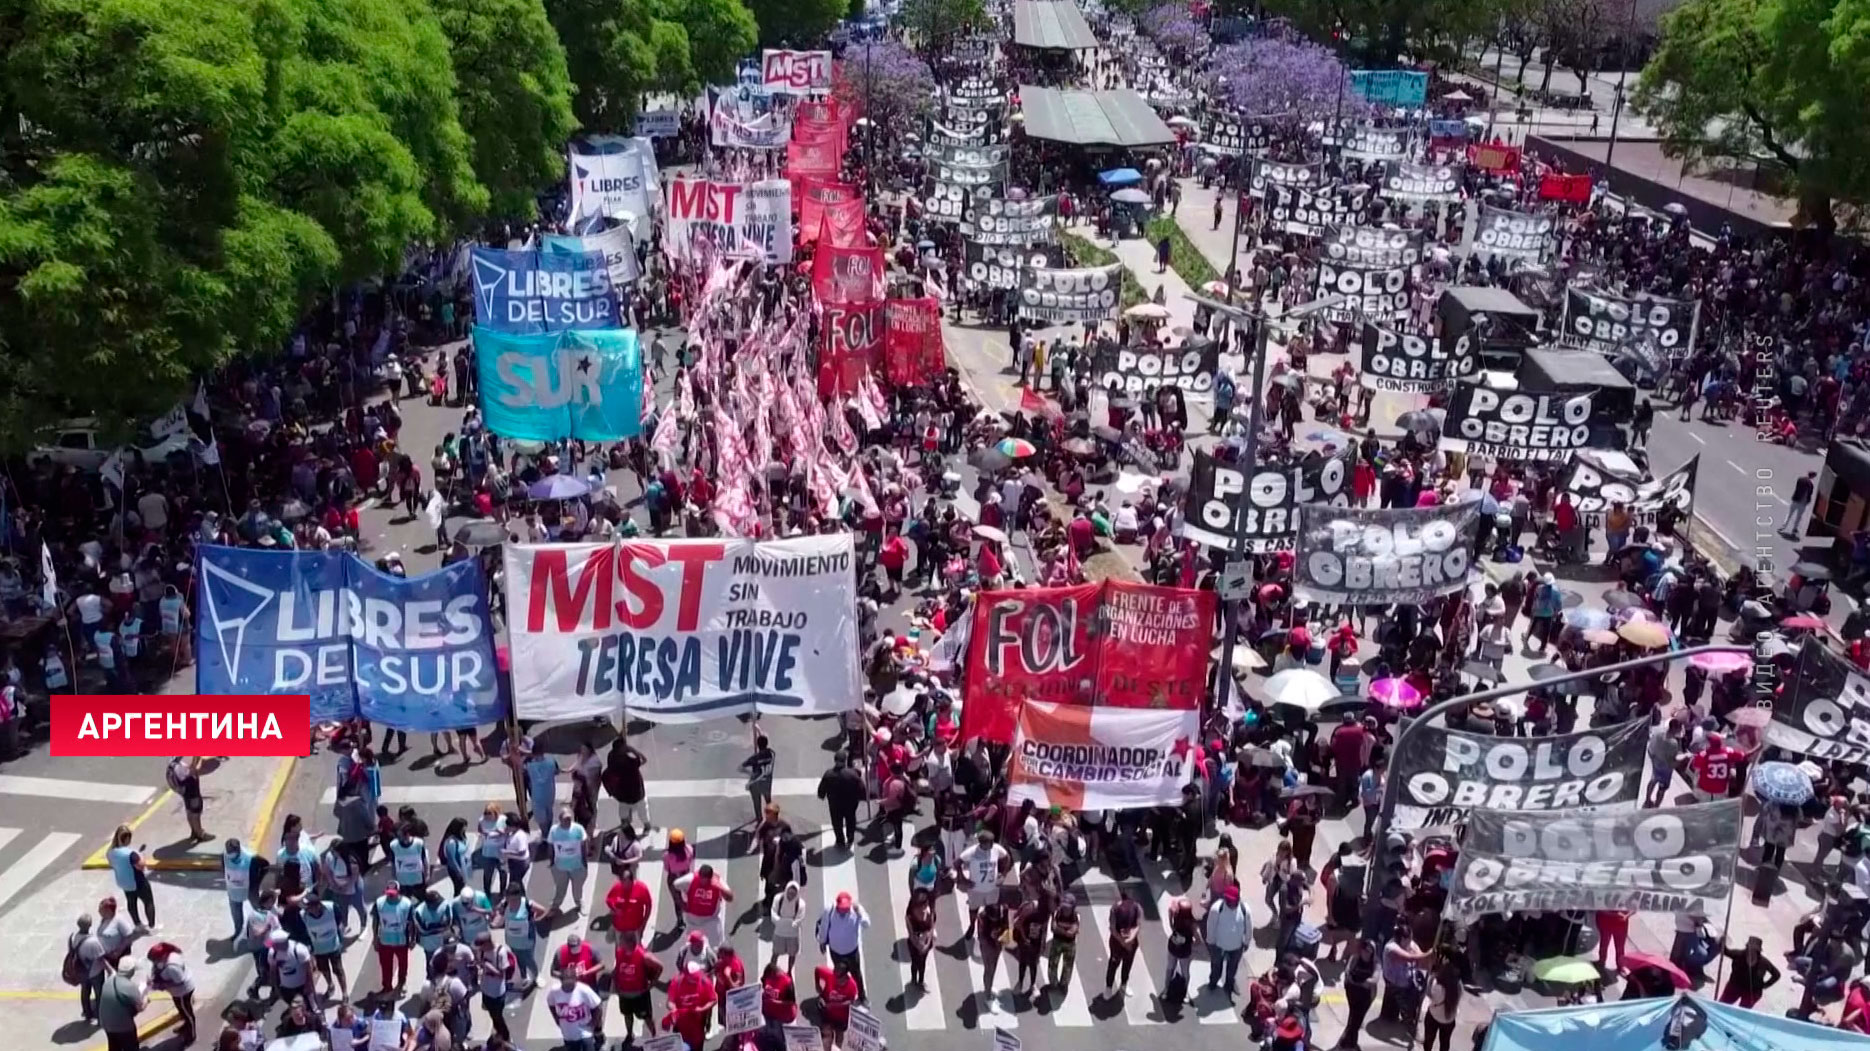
(84, 968)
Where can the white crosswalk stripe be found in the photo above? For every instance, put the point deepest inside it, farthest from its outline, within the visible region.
(921, 1008)
(20, 872)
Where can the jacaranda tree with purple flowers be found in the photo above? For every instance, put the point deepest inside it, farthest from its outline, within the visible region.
(886, 82)
(1174, 28)
(1267, 76)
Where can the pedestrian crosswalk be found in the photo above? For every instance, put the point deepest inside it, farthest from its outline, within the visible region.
(953, 997)
(25, 856)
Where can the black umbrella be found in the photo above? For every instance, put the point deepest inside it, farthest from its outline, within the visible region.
(1417, 420)
(1301, 791)
(480, 532)
(1109, 434)
(1542, 672)
(1811, 571)
(1334, 709)
(1618, 599)
(1264, 758)
(990, 459)
(1483, 671)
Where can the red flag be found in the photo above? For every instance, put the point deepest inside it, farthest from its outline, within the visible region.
(853, 335)
(844, 225)
(1573, 189)
(912, 343)
(821, 159)
(1493, 157)
(1032, 401)
(847, 275)
(814, 195)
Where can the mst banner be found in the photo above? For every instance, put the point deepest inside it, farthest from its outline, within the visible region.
(1824, 712)
(1100, 646)
(1378, 557)
(1594, 491)
(683, 630)
(1655, 330)
(1219, 492)
(741, 220)
(1441, 774)
(558, 385)
(1085, 758)
(527, 291)
(1070, 296)
(416, 653)
(1664, 860)
(1516, 425)
(1411, 364)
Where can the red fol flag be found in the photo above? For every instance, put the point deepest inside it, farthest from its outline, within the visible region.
(844, 225)
(814, 195)
(912, 342)
(1032, 401)
(1493, 157)
(1572, 189)
(825, 110)
(1112, 645)
(847, 275)
(853, 341)
(817, 159)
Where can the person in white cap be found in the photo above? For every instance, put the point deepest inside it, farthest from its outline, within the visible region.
(291, 965)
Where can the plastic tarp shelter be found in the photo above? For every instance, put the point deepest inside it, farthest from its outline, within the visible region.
(1685, 1023)
(1051, 25)
(1092, 118)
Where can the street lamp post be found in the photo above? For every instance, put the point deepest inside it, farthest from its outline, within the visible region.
(1387, 809)
(1616, 107)
(1255, 406)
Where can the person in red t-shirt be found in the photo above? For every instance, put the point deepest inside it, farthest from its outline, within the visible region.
(730, 972)
(1714, 768)
(779, 1001)
(577, 956)
(691, 1006)
(630, 902)
(635, 975)
(837, 991)
(895, 558)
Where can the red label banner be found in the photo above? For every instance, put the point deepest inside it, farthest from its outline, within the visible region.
(853, 338)
(1573, 189)
(814, 195)
(847, 275)
(912, 342)
(1109, 645)
(813, 159)
(827, 110)
(1493, 157)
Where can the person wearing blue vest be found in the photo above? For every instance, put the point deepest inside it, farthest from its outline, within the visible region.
(409, 862)
(237, 877)
(520, 919)
(568, 866)
(391, 915)
(297, 864)
(473, 914)
(541, 784)
(127, 865)
(326, 933)
(432, 919)
(455, 853)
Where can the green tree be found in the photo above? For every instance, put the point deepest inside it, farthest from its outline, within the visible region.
(797, 23)
(179, 181)
(1769, 81)
(611, 56)
(935, 24)
(720, 33)
(1377, 34)
(515, 97)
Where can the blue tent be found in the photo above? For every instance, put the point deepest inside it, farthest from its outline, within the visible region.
(1120, 177)
(1687, 1023)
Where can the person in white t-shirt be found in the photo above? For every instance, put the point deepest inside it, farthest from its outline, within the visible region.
(579, 1012)
(978, 870)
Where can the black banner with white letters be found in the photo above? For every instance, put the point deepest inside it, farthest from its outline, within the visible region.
(1269, 498)
(1235, 136)
(1382, 556)
(1517, 424)
(1070, 296)
(1515, 234)
(1134, 370)
(1371, 246)
(1411, 364)
(997, 221)
(1423, 182)
(1594, 491)
(962, 175)
(1379, 292)
(946, 203)
(1310, 213)
(1655, 330)
(1441, 774)
(1669, 859)
(1280, 173)
(972, 156)
(1824, 711)
(998, 266)
(1377, 144)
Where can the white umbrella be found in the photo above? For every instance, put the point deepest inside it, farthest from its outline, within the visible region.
(1148, 310)
(1182, 122)
(1457, 96)
(1301, 688)
(899, 700)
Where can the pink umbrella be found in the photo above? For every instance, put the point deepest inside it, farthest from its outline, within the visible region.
(1395, 693)
(1721, 663)
(1633, 613)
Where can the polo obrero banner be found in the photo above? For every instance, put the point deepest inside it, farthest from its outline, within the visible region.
(1383, 556)
(1518, 424)
(1441, 774)
(1084, 758)
(1595, 491)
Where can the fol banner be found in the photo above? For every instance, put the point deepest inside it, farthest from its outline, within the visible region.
(416, 653)
(1655, 330)
(786, 72)
(1411, 364)
(847, 275)
(815, 196)
(853, 335)
(1493, 157)
(1515, 234)
(557, 385)
(1572, 189)
(912, 342)
(684, 630)
(1595, 491)
(1384, 556)
(1441, 774)
(1114, 645)
(1824, 711)
(528, 291)
(1516, 425)
(1218, 493)
(1070, 296)
(1670, 859)
(1099, 758)
(818, 160)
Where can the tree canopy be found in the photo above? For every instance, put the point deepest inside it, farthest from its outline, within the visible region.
(797, 23)
(1772, 81)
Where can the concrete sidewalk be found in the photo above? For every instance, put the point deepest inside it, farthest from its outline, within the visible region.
(239, 794)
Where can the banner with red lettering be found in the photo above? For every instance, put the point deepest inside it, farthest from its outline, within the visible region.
(786, 72)
(853, 340)
(847, 275)
(813, 196)
(1113, 645)
(844, 225)
(1493, 157)
(1572, 189)
(684, 630)
(912, 342)
(817, 160)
